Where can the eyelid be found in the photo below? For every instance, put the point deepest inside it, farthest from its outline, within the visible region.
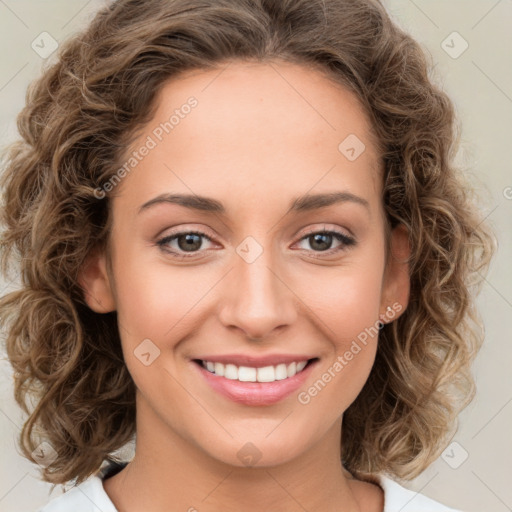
(187, 228)
(204, 232)
(345, 242)
(326, 228)
(161, 241)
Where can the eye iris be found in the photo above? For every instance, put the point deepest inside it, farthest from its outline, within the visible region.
(318, 237)
(191, 243)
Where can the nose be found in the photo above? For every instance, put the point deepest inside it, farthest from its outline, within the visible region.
(257, 300)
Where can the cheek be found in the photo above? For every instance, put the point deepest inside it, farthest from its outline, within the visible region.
(158, 304)
(347, 299)
(154, 298)
(347, 304)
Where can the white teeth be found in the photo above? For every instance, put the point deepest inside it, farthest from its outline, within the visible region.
(292, 369)
(300, 366)
(219, 369)
(266, 374)
(281, 372)
(249, 374)
(231, 372)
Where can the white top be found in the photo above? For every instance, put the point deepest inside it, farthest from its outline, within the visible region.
(90, 496)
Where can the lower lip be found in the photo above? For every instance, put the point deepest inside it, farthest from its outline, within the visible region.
(255, 393)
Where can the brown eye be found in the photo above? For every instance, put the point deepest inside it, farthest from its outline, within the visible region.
(321, 241)
(183, 242)
(189, 242)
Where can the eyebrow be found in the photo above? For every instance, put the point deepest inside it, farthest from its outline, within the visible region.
(307, 202)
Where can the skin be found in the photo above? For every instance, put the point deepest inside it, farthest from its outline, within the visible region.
(260, 136)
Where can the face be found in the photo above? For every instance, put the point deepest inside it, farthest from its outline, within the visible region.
(265, 271)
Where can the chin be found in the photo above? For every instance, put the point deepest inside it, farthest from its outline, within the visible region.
(258, 451)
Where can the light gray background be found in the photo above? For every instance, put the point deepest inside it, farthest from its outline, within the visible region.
(480, 83)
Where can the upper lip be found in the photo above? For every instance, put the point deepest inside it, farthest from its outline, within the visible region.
(256, 361)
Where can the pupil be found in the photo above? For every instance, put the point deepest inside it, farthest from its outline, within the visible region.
(191, 243)
(318, 238)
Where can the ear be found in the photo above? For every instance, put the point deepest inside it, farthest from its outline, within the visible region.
(396, 280)
(95, 282)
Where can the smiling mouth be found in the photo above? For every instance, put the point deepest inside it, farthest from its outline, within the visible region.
(263, 374)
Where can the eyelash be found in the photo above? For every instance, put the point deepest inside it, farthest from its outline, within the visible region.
(345, 240)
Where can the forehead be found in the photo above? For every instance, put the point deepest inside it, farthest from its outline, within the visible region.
(255, 130)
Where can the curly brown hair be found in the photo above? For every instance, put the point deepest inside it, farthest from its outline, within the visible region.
(82, 114)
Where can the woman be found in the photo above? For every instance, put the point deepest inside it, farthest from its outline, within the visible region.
(242, 239)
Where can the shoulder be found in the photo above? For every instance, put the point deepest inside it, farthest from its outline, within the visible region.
(398, 498)
(88, 496)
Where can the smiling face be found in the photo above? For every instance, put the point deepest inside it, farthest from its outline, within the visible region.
(271, 265)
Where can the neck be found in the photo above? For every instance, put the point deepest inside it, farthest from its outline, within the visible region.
(169, 472)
